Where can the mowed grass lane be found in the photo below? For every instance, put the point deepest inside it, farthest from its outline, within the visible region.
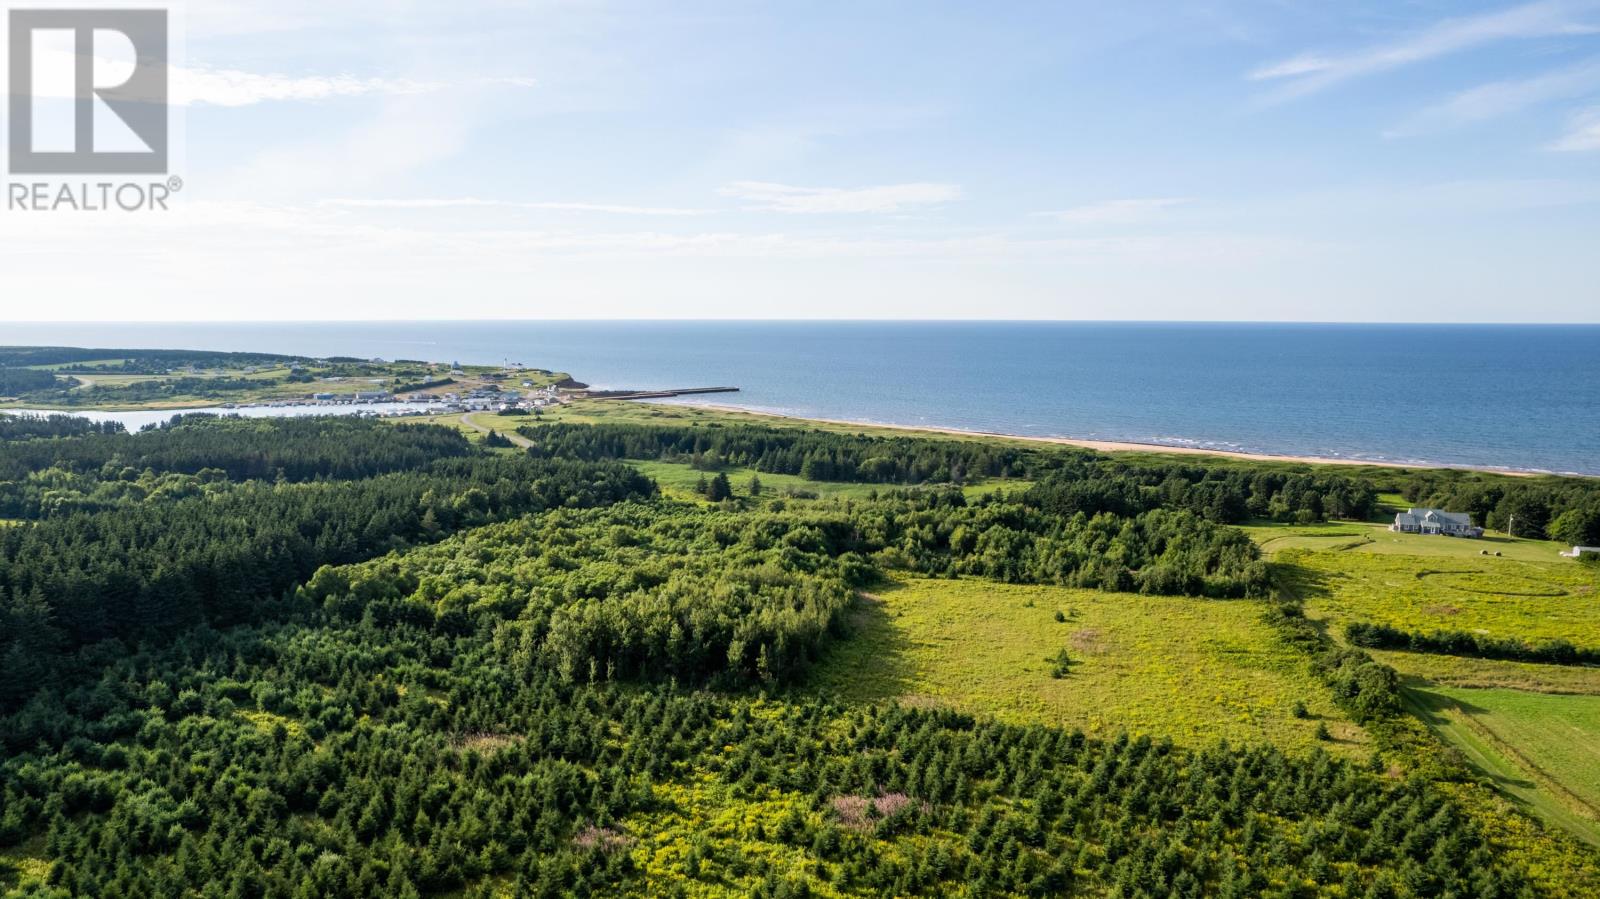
(1541, 749)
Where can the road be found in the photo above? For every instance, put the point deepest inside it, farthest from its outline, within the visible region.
(512, 436)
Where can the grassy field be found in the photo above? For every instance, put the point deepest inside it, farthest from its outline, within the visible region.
(1359, 572)
(1193, 670)
(1350, 572)
(1542, 750)
(681, 479)
(1496, 597)
(1367, 537)
(1533, 731)
(1457, 671)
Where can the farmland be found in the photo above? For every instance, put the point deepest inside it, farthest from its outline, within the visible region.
(1529, 729)
(1543, 750)
(1495, 596)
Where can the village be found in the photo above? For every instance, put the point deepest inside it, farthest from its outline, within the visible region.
(485, 398)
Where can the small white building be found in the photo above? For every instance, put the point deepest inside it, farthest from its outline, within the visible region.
(1435, 521)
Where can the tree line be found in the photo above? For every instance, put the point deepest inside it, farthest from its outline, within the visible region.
(815, 455)
(293, 449)
(1080, 481)
(1016, 538)
(1564, 509)
(66, 392)
(1467, 643)
(140, 361)
(29, 427)
(20, 382)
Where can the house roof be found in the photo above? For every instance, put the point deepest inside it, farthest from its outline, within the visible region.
(1417, 517)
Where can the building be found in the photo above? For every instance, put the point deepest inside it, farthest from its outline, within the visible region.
(1579, 552)
(1435, 521)
(372, 396)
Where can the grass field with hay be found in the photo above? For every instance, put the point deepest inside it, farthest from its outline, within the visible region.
(1497, 597)
(1373, 538)
(1531, 730)
(1191, 669)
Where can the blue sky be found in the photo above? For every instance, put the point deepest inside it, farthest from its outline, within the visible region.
(1281, 160)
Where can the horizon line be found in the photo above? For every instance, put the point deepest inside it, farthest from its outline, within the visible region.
(731, 320)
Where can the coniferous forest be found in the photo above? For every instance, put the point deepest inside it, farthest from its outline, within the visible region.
(347, 658)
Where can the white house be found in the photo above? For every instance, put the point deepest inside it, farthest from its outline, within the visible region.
(1435, 521)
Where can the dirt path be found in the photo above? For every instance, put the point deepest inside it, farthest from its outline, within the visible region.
(513, 436)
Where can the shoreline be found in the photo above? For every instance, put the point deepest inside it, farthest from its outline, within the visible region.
(1120, 446)
(1107, 446)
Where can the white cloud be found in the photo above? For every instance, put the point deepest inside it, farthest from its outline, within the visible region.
(321, 235)
(1583, 133)
(478, 203)
(1500, 98)
(1308, 73)
(1115, 212)
(1304, 64)
(887, 198)
(197, 86)
(227, 87)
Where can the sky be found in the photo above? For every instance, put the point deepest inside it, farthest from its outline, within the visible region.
(1274, 160)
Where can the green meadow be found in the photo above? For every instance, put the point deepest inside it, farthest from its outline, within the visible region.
(1558, 735)
(1531, 730)
(1367, 537)
(1194, 670)
(1494, 597)
(1460, 671)
(1360, 573)
(1543, 750)
(682, 480)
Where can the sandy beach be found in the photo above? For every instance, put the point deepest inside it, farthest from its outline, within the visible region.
(1113, 446)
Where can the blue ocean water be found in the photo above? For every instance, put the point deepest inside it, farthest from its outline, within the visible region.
(1511, 396)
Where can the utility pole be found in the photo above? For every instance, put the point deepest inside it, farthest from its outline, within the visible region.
(1511, 527)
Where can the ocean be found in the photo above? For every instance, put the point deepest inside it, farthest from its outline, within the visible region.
(1511, 396)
